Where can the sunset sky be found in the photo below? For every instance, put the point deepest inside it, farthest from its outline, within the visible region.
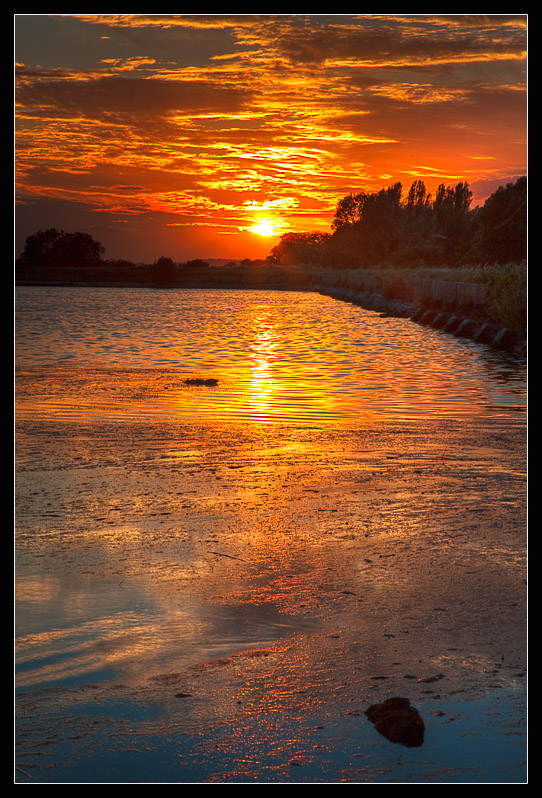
(176, 135)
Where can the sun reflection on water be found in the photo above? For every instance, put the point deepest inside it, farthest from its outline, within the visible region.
(264, 351)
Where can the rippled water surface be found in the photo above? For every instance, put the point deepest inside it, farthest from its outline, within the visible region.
(277, 356)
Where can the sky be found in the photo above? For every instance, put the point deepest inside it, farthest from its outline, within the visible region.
(213, 135)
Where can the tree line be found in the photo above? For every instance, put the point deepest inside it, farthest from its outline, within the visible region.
(385, 228)
(378, 229)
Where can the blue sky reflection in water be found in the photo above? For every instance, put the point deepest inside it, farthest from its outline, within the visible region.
(293, 357)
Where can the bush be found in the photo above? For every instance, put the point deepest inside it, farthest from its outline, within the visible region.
(506, 294)
(197, 263)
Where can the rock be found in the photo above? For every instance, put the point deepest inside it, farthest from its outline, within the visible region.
(397, 721)
(197, 381)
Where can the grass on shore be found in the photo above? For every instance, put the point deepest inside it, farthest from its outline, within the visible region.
(480, 273)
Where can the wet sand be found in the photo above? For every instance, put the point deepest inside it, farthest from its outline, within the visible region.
(221, 604)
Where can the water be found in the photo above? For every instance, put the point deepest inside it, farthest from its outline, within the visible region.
(213, 583)
(286, 357)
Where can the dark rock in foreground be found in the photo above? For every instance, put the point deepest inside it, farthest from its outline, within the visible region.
(398, 722)
(198, 381)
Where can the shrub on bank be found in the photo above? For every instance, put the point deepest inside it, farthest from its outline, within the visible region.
(506, 294)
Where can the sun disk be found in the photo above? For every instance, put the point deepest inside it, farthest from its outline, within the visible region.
(263, 229)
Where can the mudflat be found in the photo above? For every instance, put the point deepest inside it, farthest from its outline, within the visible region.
(203, 603)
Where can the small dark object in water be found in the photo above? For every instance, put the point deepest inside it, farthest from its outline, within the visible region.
(398, 722)
(197, 381)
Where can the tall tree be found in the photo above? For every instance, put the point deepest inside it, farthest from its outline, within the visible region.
(502, 224)
(381, 222)
(451, 207)
(300, 247)
(57, 248)
(163, 270)
(418, 198)
(349, 210)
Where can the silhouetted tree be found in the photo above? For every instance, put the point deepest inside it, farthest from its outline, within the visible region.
(367, 228)
(300, 247)
(163, 270)
(418, 200)
(418, 245)
(382, 221)
(197, 263)
(501, 224)
(380, 229)
(451, 208)
(57, 248)
(349, 210)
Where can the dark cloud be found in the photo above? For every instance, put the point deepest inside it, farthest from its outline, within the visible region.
(181, 46)
(108, 178)
(475, 107)
(390, 43)
(316, 46)
(153, 96)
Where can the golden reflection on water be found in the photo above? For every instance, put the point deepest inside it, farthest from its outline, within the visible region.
(282, 357)
(265, 337)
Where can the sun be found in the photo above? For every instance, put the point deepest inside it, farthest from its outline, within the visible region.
(263, 228)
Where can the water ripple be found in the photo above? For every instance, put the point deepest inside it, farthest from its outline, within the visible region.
(278, 356)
